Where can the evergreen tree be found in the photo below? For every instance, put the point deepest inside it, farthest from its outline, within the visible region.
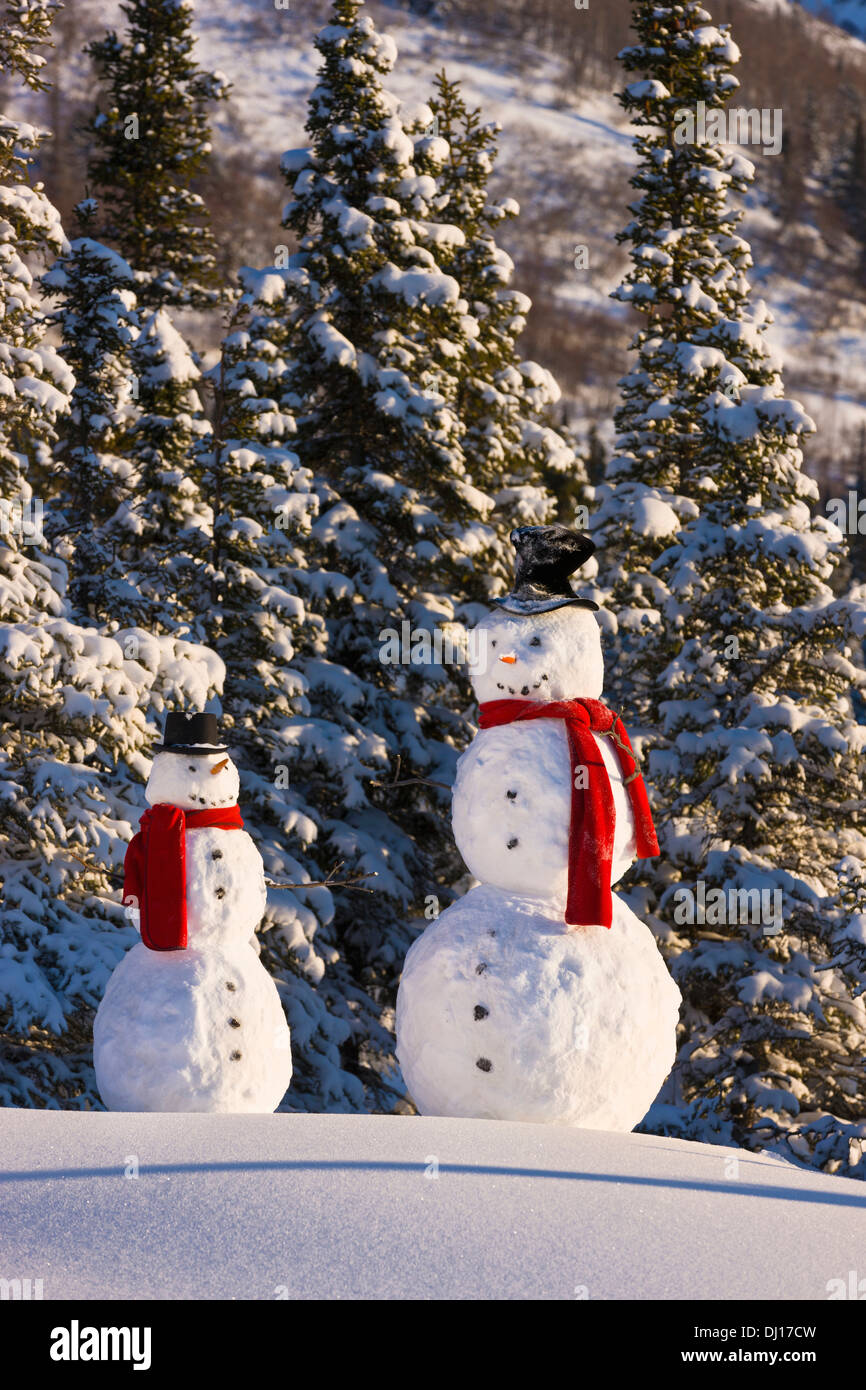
(35, 381)
(165, 525)
(149, 143)
(74, 735)
(374, 313)
(294, 765)
(510, 445)
(688, 282)
(378, 332)
(761, 784)
(352, 354)
(744, 674)
(97, 322)
(74, 702)
(412, 409)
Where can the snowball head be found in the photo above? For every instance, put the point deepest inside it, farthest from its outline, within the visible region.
(192, 1030)
(511, 809)
(537, 656)
(504, 1014)
(192, 781)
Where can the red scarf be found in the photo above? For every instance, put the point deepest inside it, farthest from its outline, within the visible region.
(155, 869)
(593, 817)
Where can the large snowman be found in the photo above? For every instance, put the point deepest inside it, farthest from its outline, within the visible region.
(540, 996)
(190, 1019)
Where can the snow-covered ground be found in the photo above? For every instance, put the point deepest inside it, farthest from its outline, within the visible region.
(338, 1206)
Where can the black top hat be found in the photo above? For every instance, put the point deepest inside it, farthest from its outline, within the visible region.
(546, 556)
(191, 733)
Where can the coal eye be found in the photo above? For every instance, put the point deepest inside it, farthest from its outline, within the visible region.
(536, 642)
(493, 644)
(192, 767)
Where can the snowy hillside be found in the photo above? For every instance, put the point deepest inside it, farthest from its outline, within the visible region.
(329, 1206)
(548, 141)
(848, 14)
(566, 157)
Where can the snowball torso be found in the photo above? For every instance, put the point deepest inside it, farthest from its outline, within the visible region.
(503, 1013)
(225, 877)
(225, 887)
(512, 796)
(200, 1029)
(512, 809)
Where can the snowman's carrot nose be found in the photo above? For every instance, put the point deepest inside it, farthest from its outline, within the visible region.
(509, 659)
(219, 767)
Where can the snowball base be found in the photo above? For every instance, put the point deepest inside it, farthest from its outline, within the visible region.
(164, 1035)
(571, 1027)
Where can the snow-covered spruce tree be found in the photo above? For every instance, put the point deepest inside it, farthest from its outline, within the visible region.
(150, 139)
(688, 282)
(762, 788)
(504, 402)
(743, 672)
(74, 744)
(295, 766)
(378, 332)
(72, 702)
(163, 528)
(35, 381)
(97, 322)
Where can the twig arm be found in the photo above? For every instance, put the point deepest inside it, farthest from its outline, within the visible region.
(353, 881)
(411, 782)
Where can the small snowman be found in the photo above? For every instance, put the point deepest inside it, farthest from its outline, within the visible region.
(539, 995)
(190, 1019)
